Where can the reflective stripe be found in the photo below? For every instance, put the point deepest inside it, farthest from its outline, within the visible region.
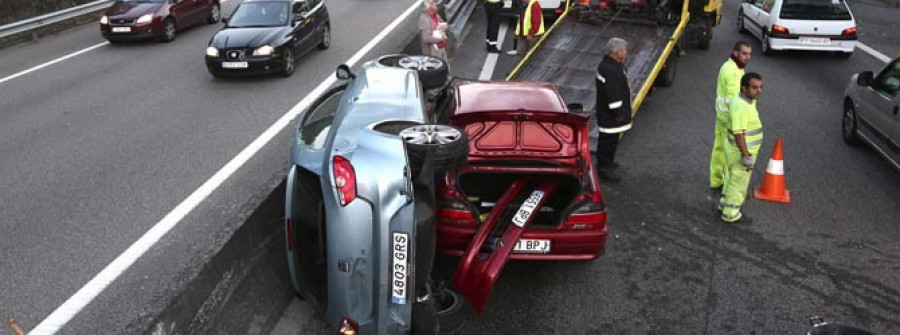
(492, 42)
(751, 144)
(614, 105)
(722, 103)
(756, 131)
(776, 167)
(615, 130)
(601, 79)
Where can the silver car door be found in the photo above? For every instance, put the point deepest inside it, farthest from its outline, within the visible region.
(876, 107)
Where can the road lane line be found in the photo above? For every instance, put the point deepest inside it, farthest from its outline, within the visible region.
(487, 70)
(22, 73)
(873, 52)
(64, 313)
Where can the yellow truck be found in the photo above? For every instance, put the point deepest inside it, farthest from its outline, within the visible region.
(568, 53)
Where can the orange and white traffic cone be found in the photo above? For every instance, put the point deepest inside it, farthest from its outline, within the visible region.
(772, 188)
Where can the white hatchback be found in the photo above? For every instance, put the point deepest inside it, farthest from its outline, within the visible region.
(817, 25)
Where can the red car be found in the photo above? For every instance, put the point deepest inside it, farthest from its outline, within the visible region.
(528, 190)
(129, 20)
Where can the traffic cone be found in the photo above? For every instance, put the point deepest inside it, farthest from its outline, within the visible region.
(772, 187)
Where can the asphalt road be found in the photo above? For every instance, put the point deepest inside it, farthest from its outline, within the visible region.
(94, 150)
(670, 266)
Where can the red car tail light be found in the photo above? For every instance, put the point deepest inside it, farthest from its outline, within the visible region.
(558, 11)
(590, 215)
(344, 180)
(849, 32)
(779, 29)
(453, 211)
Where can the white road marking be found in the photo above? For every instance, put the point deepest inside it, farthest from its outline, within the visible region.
(873, 52)
(487, 70)
(60, 59)
(64, 313)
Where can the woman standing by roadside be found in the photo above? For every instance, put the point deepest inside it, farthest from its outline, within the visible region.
(432, 31)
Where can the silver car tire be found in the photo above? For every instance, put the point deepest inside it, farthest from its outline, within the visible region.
(848, 124)
(448, 146)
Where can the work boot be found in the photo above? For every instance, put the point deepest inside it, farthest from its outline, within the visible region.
(512, 52)
(608, 174)
(741, 219)
(492, 49)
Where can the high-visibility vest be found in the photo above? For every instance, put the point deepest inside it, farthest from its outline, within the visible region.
(744, 116)
(527, 21)
(728, 84)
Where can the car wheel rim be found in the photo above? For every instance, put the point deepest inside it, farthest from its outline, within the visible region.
(430, 134)
(326, 37)
(848, 122)
(765, 43)
(740, 22)
(288, 62)
(420, 63)
(170, 30)
(215, 13)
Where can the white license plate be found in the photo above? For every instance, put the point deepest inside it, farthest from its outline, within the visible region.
(532, 246)
(527, 208)
(234, 65)
(121, 29)
(399, 268)
(815, 40)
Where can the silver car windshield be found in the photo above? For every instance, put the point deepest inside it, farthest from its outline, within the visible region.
(260, 14)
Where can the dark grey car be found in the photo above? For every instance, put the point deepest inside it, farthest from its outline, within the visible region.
(872, 111)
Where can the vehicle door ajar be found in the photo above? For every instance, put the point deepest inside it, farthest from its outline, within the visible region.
(753, 16)
(878, 109)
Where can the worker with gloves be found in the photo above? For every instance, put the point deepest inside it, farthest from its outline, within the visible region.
(727, 86)
(745, 135)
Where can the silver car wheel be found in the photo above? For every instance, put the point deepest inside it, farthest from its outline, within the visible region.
(430, 134)
(420, 63)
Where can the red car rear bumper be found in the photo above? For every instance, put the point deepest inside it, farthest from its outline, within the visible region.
(565, 245)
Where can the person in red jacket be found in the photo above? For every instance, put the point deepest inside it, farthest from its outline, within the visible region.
(530, 26)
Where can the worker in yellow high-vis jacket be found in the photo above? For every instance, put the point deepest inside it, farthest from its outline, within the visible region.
(530, 27)
(745, 135)
(727, 86)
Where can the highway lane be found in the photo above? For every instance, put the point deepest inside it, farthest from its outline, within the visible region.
(96, 149)
(671, 267)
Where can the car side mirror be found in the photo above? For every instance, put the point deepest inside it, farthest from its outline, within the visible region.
(343, 72)
(865, 78)
(225, 20)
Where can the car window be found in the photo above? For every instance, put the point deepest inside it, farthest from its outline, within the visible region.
(767, 5)
(300, 8)
(259, 14)
(826, 10)
(757, 3)
(316, 122)
(888, 81)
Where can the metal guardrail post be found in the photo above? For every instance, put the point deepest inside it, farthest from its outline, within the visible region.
(51, 18)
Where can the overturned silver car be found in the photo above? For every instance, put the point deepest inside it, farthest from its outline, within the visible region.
(359, 210)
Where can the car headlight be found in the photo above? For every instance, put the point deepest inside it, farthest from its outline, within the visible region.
(265, 50)
(212, 52)
(144, 19)
(104, 20)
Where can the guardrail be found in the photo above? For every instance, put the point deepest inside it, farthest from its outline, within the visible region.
(48, 19)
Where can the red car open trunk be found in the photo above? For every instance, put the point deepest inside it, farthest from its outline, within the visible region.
(528, 189)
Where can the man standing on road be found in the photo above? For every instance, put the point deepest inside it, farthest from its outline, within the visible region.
(613, 106)
(727, 87)
(745, 135)
(492, 11)
(530, 26)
